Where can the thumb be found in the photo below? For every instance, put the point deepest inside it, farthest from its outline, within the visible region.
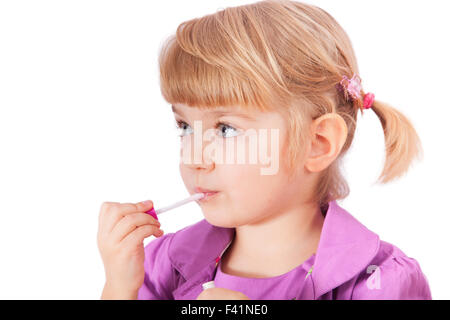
(145, 205)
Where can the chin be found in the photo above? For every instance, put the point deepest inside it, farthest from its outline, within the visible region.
(218, 220)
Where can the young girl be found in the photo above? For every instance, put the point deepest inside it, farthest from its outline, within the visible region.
(273, 65)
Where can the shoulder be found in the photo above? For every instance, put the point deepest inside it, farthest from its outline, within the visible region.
(174, 257)
(158, 251)
(159, 278)
(391, 275)
(158, 248)
(162, 247)
(169, 251)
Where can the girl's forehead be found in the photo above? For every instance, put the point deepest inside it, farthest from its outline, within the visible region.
(244, 112)
(234, 108)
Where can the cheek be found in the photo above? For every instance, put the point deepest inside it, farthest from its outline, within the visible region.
(249, 190)
(185, 175)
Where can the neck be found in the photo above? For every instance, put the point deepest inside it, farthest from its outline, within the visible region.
(292, 233)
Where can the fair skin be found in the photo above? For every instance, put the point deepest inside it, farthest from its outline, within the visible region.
(273, 215)
(121, 232)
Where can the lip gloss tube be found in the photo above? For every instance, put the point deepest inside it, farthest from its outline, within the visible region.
(154, 213)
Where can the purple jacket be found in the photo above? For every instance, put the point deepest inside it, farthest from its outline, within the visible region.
(351, 262)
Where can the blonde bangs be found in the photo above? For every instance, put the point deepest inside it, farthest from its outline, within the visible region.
(205, 65)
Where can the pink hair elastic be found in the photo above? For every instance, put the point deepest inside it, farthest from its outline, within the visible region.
(352, 91)
(353, 86)
(154, 213)
(369, 98)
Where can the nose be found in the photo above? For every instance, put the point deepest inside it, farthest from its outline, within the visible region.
(203, 166)
(196, 155)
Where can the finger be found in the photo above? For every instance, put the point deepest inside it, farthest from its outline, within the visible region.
(112, 212)
(129, 223)
(136, 237)
(104, 217)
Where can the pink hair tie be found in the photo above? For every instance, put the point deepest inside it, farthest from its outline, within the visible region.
(368, 100)
(352, 88)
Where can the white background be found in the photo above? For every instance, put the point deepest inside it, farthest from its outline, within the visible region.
(82, 122)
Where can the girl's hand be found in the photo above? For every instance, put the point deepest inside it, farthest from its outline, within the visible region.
(121, 232)
(221, 294)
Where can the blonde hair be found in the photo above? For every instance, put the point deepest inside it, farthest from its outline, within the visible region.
(283, 56)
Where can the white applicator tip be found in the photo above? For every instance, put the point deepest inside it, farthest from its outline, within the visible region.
(194, 197)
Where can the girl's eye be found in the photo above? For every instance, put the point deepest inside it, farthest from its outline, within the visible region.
(181, 126)
(224, 130)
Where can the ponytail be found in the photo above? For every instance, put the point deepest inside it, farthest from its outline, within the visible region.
(402, 142)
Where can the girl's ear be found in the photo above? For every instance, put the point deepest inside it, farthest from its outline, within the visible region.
(328, 136)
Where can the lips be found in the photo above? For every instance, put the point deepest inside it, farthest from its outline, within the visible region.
(208, 196)
(208, 193)
(203, 190)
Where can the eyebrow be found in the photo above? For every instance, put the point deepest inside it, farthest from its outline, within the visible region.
(220, 113)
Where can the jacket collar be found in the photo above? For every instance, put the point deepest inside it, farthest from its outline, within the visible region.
(345, 248)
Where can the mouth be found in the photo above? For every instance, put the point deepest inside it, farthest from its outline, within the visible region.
(208, 194)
